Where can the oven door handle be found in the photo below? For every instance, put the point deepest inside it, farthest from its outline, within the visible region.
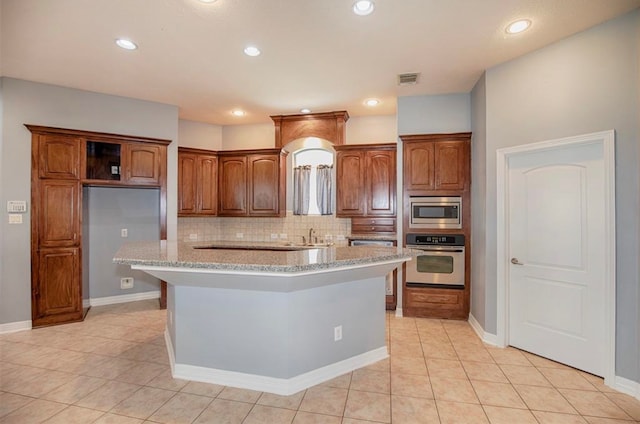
(437, 249)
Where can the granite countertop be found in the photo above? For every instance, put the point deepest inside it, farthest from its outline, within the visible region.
(253, 256)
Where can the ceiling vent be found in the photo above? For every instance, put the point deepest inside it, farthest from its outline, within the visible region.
(408, 79)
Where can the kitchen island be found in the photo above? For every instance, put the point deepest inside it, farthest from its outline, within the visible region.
(269, 317)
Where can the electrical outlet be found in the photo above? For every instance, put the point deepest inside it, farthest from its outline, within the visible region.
(193, 237)
(337, 333)
(124, 233)
(340, 237)
(274, 236)
(239, 235)
(283, 235)
(126, 283)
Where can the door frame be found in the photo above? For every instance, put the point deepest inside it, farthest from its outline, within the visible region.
(607, 140)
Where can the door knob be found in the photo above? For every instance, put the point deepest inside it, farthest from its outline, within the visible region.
(515, 261)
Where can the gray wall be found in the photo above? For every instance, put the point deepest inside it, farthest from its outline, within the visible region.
(585, 83)
(109, 210)
(448, 113)
(479, 201)
(42, 104)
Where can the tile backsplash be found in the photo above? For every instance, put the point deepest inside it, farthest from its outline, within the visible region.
(290, 228)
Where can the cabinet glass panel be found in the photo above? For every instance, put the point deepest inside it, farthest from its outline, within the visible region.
(103, 161)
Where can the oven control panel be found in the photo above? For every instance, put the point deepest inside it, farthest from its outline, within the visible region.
(439, 239)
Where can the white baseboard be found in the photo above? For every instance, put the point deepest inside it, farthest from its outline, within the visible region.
(279, 386)
(629, 387)
(399, 312)
(12, 327)
(124, 298)
(488, 338)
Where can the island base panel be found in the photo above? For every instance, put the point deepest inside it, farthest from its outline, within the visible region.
(275, 341)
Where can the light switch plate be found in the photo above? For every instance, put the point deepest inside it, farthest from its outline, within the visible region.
(16, 206)
(15, 218)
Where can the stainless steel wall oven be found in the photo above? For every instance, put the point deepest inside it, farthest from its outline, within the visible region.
(440, 263)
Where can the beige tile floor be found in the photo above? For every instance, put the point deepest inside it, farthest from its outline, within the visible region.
(113, 368)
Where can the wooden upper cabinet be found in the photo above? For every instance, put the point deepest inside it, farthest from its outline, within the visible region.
(366, 180)
(143, 163)
(264, 185)
(350, 191)
(251, 183)
(58, 156)
(232, 185)
(207, 184)
(197, 182)
(380, 177)
(187, 196)
(451, 165)
(57, 292)
(419, 166)
(59, 210)
(436, 162)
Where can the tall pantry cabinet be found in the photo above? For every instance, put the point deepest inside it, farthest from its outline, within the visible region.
(62, 162)
(55, 229)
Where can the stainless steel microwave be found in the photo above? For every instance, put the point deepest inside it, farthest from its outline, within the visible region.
(436, 212)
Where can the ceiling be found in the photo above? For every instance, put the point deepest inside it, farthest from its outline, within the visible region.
(315, 54)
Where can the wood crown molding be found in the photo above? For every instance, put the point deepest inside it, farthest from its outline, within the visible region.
(327, 125)
(95, 136)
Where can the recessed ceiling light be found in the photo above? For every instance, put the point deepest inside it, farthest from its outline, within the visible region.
(372, 102)
(518, 26)
(207, 1)
(126, 44)
(305, 110)
(238, 112)
(251, 51)
(363, 7)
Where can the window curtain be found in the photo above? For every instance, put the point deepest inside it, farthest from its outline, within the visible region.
(301, 189)
(324, 189)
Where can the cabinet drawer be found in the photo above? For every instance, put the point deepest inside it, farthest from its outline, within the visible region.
(424, 298)
(373, 225)
(359, 229)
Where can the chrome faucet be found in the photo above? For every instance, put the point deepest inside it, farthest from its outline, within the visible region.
(311, 232)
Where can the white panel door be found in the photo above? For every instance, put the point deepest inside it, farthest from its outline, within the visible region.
(557, 272)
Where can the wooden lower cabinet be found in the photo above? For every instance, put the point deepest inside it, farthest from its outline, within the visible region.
(57, 289)
(435, 303)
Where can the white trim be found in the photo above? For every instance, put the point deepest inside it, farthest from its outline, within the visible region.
(86, 303)
(170, 351)
(398, 312)
(629, 387)
(124, 298)
(279, 386)
(487, 338)
(12, 327)
(607, 139)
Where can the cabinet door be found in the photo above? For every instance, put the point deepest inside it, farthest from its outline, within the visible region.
(207, 183)
(450, 165)
(57, 292)
(350, 191)
(380, 177)
(264, 187)
(187, 182)
(59, 156)
(232, 188)
(59, 215)
(143, 163)
(419, 166)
